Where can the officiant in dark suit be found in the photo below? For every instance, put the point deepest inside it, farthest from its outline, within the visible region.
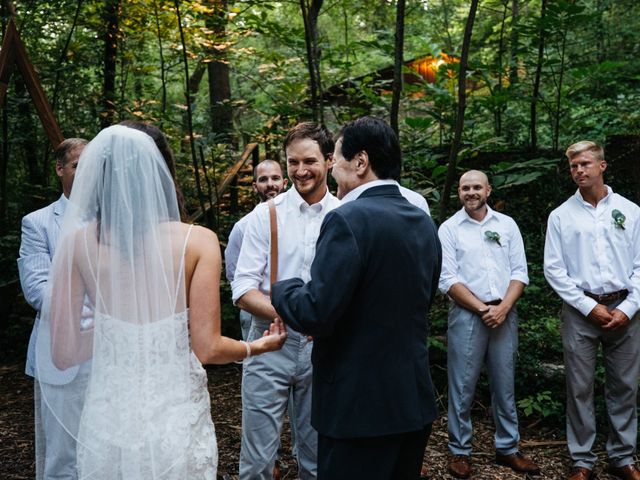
(373, 279)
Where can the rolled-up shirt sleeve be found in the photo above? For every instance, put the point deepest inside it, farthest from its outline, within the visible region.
(449, 272)
(253, 260)
(517, 257)
(556, 273)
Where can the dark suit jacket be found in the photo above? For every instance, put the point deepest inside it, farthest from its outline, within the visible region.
(374, 277)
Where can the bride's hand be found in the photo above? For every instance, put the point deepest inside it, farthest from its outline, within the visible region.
(272, 339)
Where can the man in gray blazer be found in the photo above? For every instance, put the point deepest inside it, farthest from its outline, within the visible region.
(40, 230)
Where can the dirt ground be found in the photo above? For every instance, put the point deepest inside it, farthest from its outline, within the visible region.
(17, 455)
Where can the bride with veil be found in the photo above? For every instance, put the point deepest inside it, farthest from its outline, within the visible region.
(151, 284)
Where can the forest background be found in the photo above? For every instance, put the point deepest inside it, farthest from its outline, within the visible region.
(503, 86)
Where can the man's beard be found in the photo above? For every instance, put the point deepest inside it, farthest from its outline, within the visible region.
(480, 205)
(268, 195)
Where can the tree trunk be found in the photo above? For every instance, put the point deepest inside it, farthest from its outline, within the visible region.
(193, 87)
(63, 57)
(499, 108)
(445, 15)
(397, 68)
(462, 103)
(347, 27)
(27, 133)
(163, 68)
(4, 162)
(310, 12)
(533, 133)
(218, 70)
(513, 61)
(4, 158)
(192, 144)
(555, 136)
(601, 47)
(513, 58)
(111, 22)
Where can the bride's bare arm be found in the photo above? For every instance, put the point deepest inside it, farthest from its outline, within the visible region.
(69, 344)
(203, 287)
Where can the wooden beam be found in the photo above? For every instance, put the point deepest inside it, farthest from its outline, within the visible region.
(7, 60)
(226, 181)
(233, 171)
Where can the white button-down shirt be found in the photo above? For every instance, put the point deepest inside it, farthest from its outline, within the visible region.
(232, 252)
(586, 251)
(414, 198)
(482, 265)
(298, 229)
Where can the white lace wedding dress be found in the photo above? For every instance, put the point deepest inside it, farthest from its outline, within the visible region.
(139, 420)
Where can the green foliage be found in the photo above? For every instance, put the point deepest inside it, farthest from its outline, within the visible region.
(506, 175)
(542, 403)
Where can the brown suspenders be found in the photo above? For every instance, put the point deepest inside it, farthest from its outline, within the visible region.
(273, 227)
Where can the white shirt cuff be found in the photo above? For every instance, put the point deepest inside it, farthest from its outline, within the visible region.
(445, 285)
(520, 278)
(585, 305)
(628, 308)
(240, 287)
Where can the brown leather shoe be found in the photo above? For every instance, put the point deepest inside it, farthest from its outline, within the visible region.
(580, 473)
(628, 472)
(518, 463)
(276, 471)
(460, 466)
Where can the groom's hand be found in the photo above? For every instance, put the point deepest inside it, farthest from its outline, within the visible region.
(276, 335)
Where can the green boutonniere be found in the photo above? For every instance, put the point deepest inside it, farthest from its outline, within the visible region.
(618, 218)
(493, 236)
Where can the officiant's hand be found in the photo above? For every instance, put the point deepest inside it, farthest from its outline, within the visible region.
(272, 339)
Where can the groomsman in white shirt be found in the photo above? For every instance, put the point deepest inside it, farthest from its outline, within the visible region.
(592, 261)
(269, 379)
(40, 231)
(484, 272)
(268, 182)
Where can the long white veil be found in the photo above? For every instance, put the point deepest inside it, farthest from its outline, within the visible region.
(115, 311)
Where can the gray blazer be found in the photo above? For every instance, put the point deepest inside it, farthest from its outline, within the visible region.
(40, 231)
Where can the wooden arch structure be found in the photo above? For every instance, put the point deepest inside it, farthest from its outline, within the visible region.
(13, 55)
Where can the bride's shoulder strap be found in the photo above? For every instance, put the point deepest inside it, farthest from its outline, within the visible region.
(182, 264)
(186, 240)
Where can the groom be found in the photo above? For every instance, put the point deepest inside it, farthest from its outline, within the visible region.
(372, 282)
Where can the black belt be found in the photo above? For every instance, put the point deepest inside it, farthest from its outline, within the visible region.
(493, 302)
(607, 298)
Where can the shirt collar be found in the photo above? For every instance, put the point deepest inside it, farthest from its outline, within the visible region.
(359, 190)
(302, 205)
(606, 198)
(463, 216)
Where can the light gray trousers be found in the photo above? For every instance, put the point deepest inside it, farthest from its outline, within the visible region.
(470, 345)
(55, 445)
(268, 383)
(245, 323)
(621, 351)
(245, 326)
